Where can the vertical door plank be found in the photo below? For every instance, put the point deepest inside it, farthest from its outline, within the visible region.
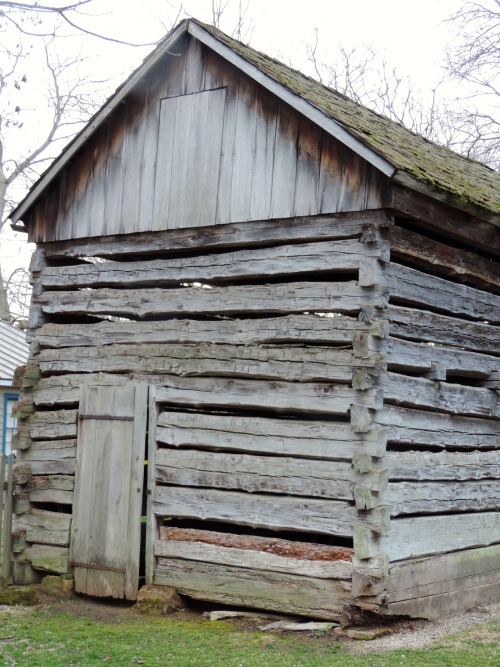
(108, 490)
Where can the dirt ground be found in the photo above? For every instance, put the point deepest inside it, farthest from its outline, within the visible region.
(404, 633)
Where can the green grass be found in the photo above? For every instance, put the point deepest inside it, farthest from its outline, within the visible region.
(36, 639)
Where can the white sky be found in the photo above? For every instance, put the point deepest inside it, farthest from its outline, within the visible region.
(412, 34)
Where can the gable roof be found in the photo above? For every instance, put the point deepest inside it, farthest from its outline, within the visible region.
(400, 154)
(13, 351)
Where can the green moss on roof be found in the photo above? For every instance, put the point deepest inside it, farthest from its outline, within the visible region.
(465, 179)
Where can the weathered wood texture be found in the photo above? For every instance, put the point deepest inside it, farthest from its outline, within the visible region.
(105, 540)
(297, 297)
(259, 553)
(327, 517)
(331, 256)
(255, 474)
(203, 140)
(218, 237)
(427, 535)
(429, 255)
(260, 589)
(440, 585)
(374, 424)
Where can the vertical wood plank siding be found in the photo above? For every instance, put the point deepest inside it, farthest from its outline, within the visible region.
(252, 154)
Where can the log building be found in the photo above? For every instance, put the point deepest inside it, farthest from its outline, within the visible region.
(289, 307)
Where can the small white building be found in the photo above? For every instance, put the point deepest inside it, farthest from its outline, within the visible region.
(13, 353)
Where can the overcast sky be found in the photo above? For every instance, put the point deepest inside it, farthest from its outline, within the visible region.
(413, 35)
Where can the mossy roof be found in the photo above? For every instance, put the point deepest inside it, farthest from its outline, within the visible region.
(466, 180)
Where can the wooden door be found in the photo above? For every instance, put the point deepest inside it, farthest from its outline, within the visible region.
(106, 527)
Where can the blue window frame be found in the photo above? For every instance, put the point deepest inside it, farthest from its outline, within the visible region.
(9, 422)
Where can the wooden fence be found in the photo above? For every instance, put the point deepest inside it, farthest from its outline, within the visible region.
(6, 470)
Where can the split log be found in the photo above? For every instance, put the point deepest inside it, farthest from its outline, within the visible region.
(330, 517)
(249, 264)
(236, 394)
(443, 466)
(48, 558)
(255, 474)
(431, 255)
(52, 489)
(260, 435)
(274, 591)
(443, 396)
(428, 327)
(256, 553)
(415, 287)
(296, 297)
(436, 586)
(424, 428)
(326, 227)
(303, 329)
(45, 527)
(280, 363)
(420, 357)
(440, 497)
(427, 535)
(56, 424)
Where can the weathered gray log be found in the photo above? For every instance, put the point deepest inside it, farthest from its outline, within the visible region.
(306, 329)
(51, 457)
(227, 392)
(454, 223)
(281, 437)
(48, 558)
(52, 489)
(280, 363)
(442, 466)
(331, 256)
(421, 536)
(275, 591)
(443, 396)
(418, 288)
(425, 428)
(45, 527)
(420, 357)
(296, 297)
(439, 497)
(326, 227)
(255, 474)
(430, 255)
(328, 517)
(234, 393)
(427, 327)
(57, 424)
(257, 553)
(423, 587)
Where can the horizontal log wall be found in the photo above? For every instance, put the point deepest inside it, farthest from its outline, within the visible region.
(441, 411)
(257, 344)
(370, 426)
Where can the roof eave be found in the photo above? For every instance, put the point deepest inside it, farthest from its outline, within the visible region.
(443, 196)
(16, 215)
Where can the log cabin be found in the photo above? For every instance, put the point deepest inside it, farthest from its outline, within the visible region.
(264, 349)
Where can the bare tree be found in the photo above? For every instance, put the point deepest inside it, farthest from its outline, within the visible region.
(65, 97)
(242, 26)
(474, 58)
(363, 75)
